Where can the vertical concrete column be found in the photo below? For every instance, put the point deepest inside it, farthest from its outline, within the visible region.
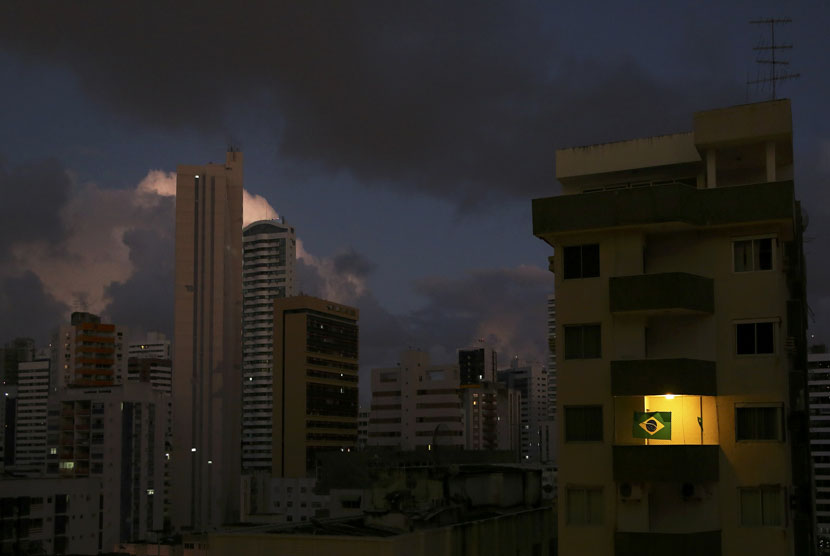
(770, 160)
(711, 168)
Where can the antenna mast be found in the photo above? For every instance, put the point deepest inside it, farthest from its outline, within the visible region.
(773, 61)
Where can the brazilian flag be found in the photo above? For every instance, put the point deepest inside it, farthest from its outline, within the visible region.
(652, 424)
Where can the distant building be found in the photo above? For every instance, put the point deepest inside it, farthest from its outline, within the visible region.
(362, 428)
(315, 382)
(269, 256)
(681, 341)
(32, 410)
(117, 435)
(477, 365)
(8, 426)
(155, 345)
(531, 381)
(207, 345)
(491, 417)
(818, 375)
(12, 353)
(551, 366)
(52, 516)
(88, 352)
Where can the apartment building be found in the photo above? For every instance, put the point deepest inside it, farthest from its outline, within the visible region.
(530, 380)
(114, 434)
(315, 382)
(88, 352)
(30, 419)
(681, 360)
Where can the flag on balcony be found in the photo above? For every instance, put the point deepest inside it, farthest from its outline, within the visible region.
(652, 424)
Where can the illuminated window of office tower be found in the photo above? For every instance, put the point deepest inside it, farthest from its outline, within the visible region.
(269, 254)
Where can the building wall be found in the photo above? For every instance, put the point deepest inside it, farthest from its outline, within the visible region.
(315, 382)
(269, 257)
(207, 344)
(32, 408)
(819, 384)
(87, 352)
(651, 332)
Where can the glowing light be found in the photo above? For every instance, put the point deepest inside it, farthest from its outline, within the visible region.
(210, 461)
(197, 176)
(669, 396)
(193, 449)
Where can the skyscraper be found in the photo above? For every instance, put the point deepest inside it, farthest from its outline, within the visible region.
(207, 344)
(315, 382)
(269, 253)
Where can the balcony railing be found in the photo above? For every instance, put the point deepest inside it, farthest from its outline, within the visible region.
(694, 463)
(654, 377)
(707, 543)
(667, 292)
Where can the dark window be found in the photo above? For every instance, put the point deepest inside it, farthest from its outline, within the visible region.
(754, 338)
(758, 423)
(753, 254)
(583, 342)
(762, 506)
(583, 423)
(582, 261)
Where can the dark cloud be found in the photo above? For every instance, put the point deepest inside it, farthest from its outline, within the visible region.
(27, 310)
(460, 100)
(352, 262)
(145, 301)
(33, 195)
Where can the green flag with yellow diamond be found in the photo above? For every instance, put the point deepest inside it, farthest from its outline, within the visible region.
(652, 424)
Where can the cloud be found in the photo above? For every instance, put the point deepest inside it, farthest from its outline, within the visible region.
(457, 100)
(27, 309)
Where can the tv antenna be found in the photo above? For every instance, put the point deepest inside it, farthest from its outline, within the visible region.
(774, 60)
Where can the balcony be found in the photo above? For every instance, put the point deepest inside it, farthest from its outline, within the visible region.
(663, 204)
(677, 544)
(664, 293)
(693, 463)
(654, 377)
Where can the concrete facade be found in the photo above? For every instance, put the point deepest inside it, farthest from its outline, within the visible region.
(30, 422)
(679, 279)
(818, 365)
(207, 345)
(88, 352)
(269, 256)
(530, 380)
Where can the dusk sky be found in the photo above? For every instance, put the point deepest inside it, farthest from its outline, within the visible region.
(403, 140)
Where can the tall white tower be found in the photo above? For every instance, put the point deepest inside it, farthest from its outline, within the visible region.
(269, 256)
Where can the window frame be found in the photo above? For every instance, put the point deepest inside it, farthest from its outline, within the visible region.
(581, 327)
(581, 273)
(585, 490)
(565, 435)
(782, 505)
(762, 405)
(775, 335)
(773, 247)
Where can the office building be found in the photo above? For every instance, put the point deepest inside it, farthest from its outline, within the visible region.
(268, 260)
(315, 382)
(530, 380)
(207, 347)
(818, 375)
(88, 352)
(115, 434)
(681, 356)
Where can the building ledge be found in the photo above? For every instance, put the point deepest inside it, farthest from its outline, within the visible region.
(677, 544)
(663, 293)
(655, 377)
(693, 463)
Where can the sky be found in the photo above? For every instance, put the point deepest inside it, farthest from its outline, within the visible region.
(403, 140)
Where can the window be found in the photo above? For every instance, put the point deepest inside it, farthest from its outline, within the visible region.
(753, 254)
(754, 338)
(762, 506)
(582, 261)
(583, 342)
(584, 506)
(758, 423)
(583, 423)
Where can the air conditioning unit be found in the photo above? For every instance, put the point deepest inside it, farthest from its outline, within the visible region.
(631, 492)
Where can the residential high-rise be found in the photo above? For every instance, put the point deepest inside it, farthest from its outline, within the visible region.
(88, 352)
(477, 365)
(818, 365)
(419, 405)
(315, 382)
(16, 351)
(153, 345)
(268, 260)
(207, 345)
(531, 381)
(115, 434)
(681, 353)
(30, 422)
